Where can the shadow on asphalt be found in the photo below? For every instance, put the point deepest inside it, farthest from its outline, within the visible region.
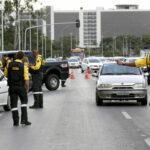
(122, 104)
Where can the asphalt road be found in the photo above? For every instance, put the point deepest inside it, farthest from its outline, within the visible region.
(70, 120)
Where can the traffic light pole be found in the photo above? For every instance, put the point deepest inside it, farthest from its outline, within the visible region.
(33, 27)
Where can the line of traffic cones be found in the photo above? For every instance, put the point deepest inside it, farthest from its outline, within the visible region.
(72, 75)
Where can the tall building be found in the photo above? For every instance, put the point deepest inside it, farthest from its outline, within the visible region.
(97, 24)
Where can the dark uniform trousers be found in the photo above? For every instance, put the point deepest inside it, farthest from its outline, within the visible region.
(37, 89)
(15, 92)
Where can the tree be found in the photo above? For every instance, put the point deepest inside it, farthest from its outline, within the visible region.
(17, 7)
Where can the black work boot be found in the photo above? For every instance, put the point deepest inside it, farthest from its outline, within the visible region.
(36, 102)
(27, 123)
(41, 100)
(15, 116)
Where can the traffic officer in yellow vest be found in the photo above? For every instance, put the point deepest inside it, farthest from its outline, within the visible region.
(5, 61)
(18, 82)
(138, 63)
(36, 71)
(1, 65)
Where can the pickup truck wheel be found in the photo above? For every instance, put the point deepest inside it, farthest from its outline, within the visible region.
(144, 101)
(99, 102)
(52, 82)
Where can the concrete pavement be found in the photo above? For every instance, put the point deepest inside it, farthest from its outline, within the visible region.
(71, 120)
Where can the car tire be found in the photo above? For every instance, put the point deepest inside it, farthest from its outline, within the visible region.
(99, 102)
(52, 82)
(148, 79)
(82, 70)
(7, 107)
(144, 101)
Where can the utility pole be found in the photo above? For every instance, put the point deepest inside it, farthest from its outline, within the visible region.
(42, 45)
(30, 34)
(51, 48)
(71, 40)
(45, 48)
(2, 26)
(37, 30)
(19, 37)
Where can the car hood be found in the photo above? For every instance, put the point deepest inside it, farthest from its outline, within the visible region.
(94, 64)
(121, 79)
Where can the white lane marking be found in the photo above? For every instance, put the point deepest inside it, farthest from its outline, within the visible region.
(126, 115)
(147, 141)
(143, 135)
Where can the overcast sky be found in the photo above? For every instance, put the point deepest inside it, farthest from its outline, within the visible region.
(91, 4)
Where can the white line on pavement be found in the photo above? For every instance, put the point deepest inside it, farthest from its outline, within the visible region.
(126, 115)
(147, 141)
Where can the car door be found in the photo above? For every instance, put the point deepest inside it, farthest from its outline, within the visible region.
(3, 89)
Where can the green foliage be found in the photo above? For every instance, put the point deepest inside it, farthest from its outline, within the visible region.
(125, 45)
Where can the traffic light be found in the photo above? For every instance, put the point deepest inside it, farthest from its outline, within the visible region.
(78, 23)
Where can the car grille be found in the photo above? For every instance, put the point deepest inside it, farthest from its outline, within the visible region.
(124, 88)
(122, 96)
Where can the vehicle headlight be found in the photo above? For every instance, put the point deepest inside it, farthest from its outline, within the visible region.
(138, 86)
(105, 86)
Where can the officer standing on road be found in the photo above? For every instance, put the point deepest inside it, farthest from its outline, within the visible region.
(18, 82)
(36, 71)
(63, 81)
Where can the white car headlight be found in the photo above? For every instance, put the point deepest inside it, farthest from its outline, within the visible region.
(138, 86)
(105, 86)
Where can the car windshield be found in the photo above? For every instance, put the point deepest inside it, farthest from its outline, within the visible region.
(94, 61)
(131, 60)
(115, 69)
(73, 60)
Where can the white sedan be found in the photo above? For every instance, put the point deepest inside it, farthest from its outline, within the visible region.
(74, 63)
(93, 63)
(4, 98)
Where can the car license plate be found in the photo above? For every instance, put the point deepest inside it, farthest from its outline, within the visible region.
(73, 64)
(122, 93)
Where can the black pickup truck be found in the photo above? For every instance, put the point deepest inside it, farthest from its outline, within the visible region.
(53, 72)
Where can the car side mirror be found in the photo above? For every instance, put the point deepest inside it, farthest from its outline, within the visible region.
(2, 77)
(144, 70)
(146, 74)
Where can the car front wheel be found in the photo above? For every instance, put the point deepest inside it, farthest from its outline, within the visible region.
(144, 101)
(7, 107)
(82, 70)
(52, 82)
(99, 102)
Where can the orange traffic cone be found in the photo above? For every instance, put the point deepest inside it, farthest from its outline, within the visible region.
(90, 71)
(72, 75)
(86, 75)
